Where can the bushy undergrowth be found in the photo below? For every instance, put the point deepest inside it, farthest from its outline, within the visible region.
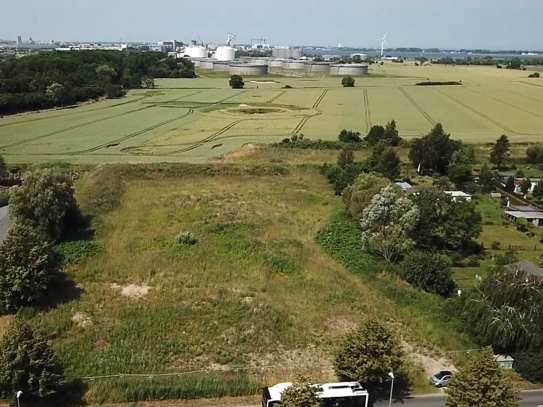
(186, 238)
(433, 83)
(103, 191)
(341, 240)
(77, 251)
(186, 387)
(4, 198)
(308, 144)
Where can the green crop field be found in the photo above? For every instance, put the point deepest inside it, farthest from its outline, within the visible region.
(189, 120)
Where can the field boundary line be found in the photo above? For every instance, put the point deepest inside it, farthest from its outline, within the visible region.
(319, 100)
(54, 133)
(521, 95)
(273, 99)
(207, 139)
(37, 119)
(367, 111)
(529, 84)
(129, 136)
(484, 116)
(506, 103)
(418, 107)
(182, 97)
(302, 123)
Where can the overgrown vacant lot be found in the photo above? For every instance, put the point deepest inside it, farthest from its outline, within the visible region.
(255, 291)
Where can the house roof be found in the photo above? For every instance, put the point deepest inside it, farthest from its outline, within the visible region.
(528, 267)
(404, 185)
(503, 358)
(457, 193)
(524, 208)
(527, 215)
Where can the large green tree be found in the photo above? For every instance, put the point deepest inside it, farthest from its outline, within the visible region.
(389, 164)
(358, 195)
(27, 363)
(29, 265)
(534, 155)
(236, 82)
(525, 186)
(57, 92)
(368, 354)
(461, 166)
(375, 135)
(349, 136)
(391, 135)
(500, 151)
(429, 271)
(345, 157)
(538, 191)
(433, 151)
(486, 179)
(480, 383)
(302, 393)
(46, 201)
(387, 223)
(506, 310)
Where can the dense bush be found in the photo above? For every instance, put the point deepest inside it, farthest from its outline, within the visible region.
(348, 136)
(74, 252)
(529, 365)
(46, 201)
(358, 195)
(432, 83)
(79, 76)
(186, 238)
(236, 82)
(429, 271)
(4, 198)
(305, 143)
(534, 155)
(348, 82)
(534, 75)
(102, 191)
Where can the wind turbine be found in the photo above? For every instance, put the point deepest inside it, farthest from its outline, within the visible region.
(383, 42)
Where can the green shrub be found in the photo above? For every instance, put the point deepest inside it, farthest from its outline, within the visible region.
(186, 238)
(495, 245)
(429, 271)
(4, 198)
(506, 258)
(529, 365)
(76, 251)
(102, 192)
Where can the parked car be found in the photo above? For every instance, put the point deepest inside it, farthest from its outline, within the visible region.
(441, 378)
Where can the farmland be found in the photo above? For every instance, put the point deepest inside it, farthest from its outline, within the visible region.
(192, 120)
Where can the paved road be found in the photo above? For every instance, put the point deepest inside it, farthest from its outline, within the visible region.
(5, 222)
(530, 398)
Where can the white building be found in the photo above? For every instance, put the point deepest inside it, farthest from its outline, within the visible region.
(458, 195)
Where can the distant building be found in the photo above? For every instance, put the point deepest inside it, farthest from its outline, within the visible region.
(19, 40)
(531, 213)
(504, 361)
(458, 195)
(529, 268)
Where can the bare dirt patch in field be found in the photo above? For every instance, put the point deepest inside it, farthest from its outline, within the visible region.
(136, 291)
(82, 320)
(431, 363)
(244, 151)
(4, 324)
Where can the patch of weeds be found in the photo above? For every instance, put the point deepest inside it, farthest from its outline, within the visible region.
(103, 191)
(229, 227)
(186, 238)
(76, 251)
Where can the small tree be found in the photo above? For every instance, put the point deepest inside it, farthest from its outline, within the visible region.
(348, 82)
(348, 136)
(345, 157)
(368, 353)
(57, 92)
(480, 382)
(525, 186)
(29, 264)
(500, 151)
(486, 179)
(375, 135)
(389, 164)
(3, 167)
(538, 191)
(236, 82)
(302, 393)
(510, 184)
(534, 155)
(46, 201)
(114, 91)
(461, 165)
(387, 222)
(27, 363)
(429, 271)
(359, 195)
(148, 82)
(391, 135)
(529, 364)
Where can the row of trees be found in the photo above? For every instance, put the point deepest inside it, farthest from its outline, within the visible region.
(369, 353)
(54, 79)
(45, 211)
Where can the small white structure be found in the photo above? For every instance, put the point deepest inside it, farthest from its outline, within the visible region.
(341, 394)
(404, 185)
(458, 195)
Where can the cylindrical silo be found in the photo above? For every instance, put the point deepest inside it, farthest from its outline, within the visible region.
(349, 69)
(323, 67)
(196, 62)
(296, 53)
(276, 63)
(225, 54)
(247, 69)
(206, 64)
(220, 66)
(261, 61)
(195, 52)
(296, 65)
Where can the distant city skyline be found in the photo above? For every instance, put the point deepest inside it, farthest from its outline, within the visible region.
(447, 24)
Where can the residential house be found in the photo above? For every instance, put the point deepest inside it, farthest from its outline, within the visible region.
(458, 195)
(529, 268)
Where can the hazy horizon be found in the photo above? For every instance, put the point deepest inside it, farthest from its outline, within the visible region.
(484, 24)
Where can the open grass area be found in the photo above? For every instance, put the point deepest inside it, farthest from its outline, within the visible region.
(256, 293)
(188, 113)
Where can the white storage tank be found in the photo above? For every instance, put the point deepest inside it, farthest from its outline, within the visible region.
(349, 69)
(296, 65)
(323, 67)
(248, 69)
(225, 54)
(196, 62)
(220, 66)
(276, 63)
(195, 52)
(206, 64)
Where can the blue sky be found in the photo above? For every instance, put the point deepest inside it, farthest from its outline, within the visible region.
(493, 24)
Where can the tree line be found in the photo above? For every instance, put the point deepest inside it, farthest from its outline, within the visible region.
(52, 79)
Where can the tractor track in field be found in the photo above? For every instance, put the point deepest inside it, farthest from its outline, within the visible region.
(207, 139)
(229, 97)
(367, 111)
(418, 107)
(315, 106)
(507, 104)
(521, 95)
(484, 116)
(273, 99)
(54, 133)
(182, 97)
(132, 135)
(38, 119)
(530, 84)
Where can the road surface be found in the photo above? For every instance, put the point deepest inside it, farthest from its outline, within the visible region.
(5, 222)
(530, 398)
